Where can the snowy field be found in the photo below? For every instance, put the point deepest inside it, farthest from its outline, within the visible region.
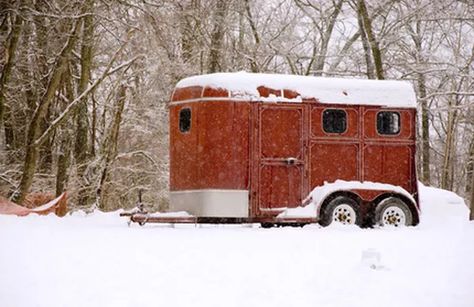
(97, 260)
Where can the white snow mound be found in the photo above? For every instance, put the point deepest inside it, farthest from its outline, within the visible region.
(319, 194)
(389, 93)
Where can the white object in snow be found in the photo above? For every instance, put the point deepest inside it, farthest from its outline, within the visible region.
(371, 258)
(388, 93)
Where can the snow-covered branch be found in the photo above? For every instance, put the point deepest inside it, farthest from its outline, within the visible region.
(60, 119)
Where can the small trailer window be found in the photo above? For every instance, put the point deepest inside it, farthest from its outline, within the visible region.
(185, 120)
(334, 121)
(388, 122)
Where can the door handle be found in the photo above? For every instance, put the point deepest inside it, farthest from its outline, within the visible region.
(291, 161)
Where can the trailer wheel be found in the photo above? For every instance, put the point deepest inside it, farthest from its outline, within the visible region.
(393, 211)
(266, 225)
(341, 209)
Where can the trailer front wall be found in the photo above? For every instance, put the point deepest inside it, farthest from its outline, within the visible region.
(209, 164)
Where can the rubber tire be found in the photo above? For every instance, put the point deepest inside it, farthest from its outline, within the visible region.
(396, 202)
(326, 213)
(267, 225)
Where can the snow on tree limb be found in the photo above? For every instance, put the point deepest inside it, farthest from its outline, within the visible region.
(72, 105)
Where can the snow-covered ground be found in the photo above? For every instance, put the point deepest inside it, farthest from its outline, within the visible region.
(97, 260)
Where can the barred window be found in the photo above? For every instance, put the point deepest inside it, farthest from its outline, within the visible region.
(185, 120)
(388, 122)
(334, 121)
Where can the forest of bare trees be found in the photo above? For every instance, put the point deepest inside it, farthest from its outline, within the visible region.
(84, 84)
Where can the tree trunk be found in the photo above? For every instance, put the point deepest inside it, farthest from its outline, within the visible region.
(45, 160)
(41, 57)
(448, 156)
(470, 166)
(109, 149)
(366, 47)
(189, 29)
(64, 157)
(31, 156)
(374, 46)
(10, 53)
(425, 129)
(253, 61)
(82, 123)
(470, 177)
(93, 127)
(321, 58)
(417, 37)
(217, 37)
(8, 117)
(471, 215)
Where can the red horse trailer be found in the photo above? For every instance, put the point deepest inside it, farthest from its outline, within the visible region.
(249, 147)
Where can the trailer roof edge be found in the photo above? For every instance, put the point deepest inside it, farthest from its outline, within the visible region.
(274, 88)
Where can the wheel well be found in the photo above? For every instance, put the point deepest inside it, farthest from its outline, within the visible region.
(333, 195)
(406, 200)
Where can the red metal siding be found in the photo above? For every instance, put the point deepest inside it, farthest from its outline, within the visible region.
(407, 129)
(351, 132)
(334, 156)
(183, 158)
(245, 145)
(332, 161)
(214, 153)
(192, 92)
(388, 164)
(223, 145)
(390, 158)
(280, 136)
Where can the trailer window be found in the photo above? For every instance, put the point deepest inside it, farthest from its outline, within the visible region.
(334, 121)
(388, 122)
(185, 120)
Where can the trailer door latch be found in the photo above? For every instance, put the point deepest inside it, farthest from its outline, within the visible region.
(291, 161)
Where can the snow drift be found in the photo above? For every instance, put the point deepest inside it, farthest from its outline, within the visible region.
(96, 260)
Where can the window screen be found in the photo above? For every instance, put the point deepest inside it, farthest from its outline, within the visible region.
(334, 121)
(185, 120)
(388, 122)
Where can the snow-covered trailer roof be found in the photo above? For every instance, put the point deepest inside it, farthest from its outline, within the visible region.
(243, 85)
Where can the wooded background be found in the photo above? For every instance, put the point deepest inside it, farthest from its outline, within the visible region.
(85, 84)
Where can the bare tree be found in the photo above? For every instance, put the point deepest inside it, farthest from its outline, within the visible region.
(325, 26)
(217, 37)
(82, 124)
(366, 30)
(40, 112)
(10, 54)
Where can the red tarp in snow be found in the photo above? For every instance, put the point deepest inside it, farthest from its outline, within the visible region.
(57, 205)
